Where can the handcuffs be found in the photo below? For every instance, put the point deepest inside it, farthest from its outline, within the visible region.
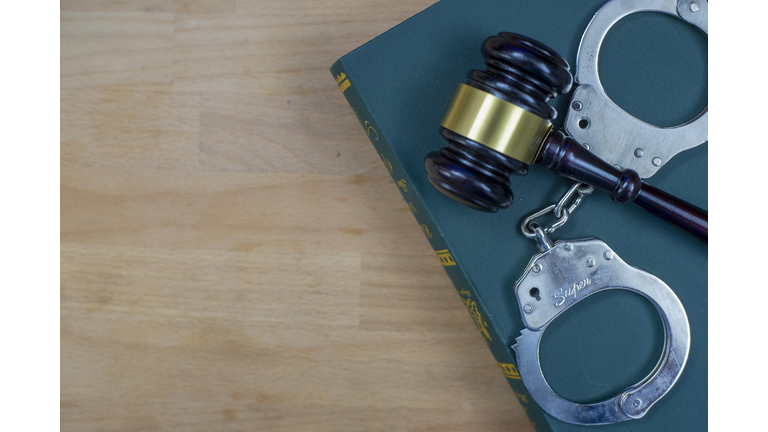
(610, 132)
(566, 272)
(563, 275)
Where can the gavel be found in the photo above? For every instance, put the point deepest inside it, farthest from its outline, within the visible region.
(499, 122)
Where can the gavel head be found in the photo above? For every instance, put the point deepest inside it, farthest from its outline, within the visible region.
(497, 121)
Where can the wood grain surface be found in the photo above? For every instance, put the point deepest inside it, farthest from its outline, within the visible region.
(234, 257)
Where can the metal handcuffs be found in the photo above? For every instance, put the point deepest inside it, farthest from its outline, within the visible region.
(566, 272)
(610, 132)
(563, 275)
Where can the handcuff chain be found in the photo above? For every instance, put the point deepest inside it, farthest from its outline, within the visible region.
(562, 210)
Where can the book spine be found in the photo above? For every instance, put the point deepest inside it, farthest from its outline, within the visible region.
(466, 291)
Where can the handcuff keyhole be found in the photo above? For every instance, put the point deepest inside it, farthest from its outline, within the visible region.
(535, 293)
(584, 123)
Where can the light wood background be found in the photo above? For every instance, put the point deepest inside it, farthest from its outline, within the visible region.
(234, 256)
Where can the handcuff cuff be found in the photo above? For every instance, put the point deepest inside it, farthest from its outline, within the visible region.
(610, 132)
(568, 271)
(565, 273)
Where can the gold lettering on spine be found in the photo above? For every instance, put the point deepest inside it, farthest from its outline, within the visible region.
(475, 313)
(445, 257)
(369, 129)
(426, 231)
(343, 82)
(510, 371)
(523, 398)
(387, 164)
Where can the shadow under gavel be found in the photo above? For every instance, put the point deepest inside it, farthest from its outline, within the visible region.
(499, 122)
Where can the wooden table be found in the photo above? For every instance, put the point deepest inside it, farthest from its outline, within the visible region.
(234, 257)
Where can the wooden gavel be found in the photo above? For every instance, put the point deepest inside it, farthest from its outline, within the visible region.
(499, 122)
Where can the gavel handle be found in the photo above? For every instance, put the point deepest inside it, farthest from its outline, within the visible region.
(566, 157)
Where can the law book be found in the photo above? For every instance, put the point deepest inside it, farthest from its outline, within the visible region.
(652, 65)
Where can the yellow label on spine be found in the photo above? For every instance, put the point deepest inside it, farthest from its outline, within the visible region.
(387, 163)
(426, 231)
(510, 371)
(474, 312)
(445, 257)
(343, 82)
(523, 398)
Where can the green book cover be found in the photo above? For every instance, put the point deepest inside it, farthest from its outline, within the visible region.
(652, 65)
